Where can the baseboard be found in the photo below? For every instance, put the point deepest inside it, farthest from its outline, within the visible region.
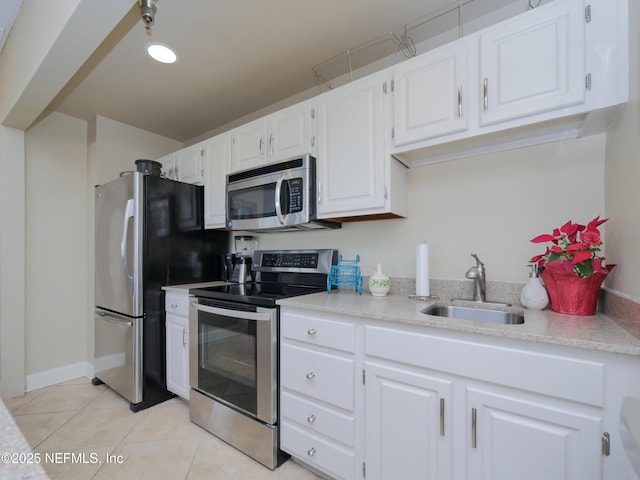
(53, 376)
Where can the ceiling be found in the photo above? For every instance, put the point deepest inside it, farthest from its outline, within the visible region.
(235, 57)
(8, 12)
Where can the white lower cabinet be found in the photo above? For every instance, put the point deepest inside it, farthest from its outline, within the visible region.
(378, 400)
(521, 438)
(177, 342)
(318, 393)
(408, 423)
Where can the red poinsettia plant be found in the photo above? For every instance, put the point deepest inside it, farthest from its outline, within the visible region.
(575, 246)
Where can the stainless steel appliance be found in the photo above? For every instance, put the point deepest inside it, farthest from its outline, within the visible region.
(278, 196)
(239, 262)
(149, 233)
(233, 349)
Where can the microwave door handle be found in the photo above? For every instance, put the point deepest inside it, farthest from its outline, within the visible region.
(128, 279)
(278, 191)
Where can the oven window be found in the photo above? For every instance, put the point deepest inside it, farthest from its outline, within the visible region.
(227, 360)
(254, 202)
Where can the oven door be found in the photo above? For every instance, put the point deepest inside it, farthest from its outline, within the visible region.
(233, 355)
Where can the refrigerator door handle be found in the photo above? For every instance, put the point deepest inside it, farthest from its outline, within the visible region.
(128, 278)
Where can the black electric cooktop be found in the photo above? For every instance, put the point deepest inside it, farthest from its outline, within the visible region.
(255, 293)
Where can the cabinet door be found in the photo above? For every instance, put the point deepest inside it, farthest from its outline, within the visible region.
(408, 423)
(168, 166)
(533, 64)
(249, 148)
(430, 94)
(216, 168)
(291, 132)
(177, 334)
(350, 148)
(528, 440)
(189, 164)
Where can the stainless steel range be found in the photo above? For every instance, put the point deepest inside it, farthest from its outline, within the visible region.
(233, 357)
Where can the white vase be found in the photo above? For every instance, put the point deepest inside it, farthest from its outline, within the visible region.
(379, 283)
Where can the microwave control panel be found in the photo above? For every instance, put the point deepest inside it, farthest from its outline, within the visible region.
(296, 195)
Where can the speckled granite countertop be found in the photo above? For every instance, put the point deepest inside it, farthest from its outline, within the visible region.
(13, 465)
(597, 332)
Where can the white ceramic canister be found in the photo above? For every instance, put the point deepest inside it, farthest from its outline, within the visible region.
(379, 283)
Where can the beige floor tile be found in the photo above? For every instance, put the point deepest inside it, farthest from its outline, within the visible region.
(108, 399)
(16, 402)
(38, 426)
(216, 460)
(165, 421)
(61, 398)
(162, 459)
(74, 464)
(92, 428)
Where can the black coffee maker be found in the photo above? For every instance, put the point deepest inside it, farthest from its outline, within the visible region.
(239, 263)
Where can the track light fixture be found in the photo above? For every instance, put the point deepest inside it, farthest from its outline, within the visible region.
(148, 11)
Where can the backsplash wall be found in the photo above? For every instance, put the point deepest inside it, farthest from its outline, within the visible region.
(491, 205)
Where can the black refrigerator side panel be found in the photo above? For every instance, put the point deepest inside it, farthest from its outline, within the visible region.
(177, 250)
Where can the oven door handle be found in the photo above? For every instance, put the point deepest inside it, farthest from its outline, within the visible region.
(255, 316)
(278, 206)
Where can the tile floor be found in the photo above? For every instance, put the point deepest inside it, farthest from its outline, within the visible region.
(76, 417)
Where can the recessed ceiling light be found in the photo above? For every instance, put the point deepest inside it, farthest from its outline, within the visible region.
(161, 53)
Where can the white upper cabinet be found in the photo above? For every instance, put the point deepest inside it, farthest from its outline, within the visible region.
(216, 168)
(279, 136)
(189, 163)
(350, 165)
(168, 166)
(533, 63)
(431, 94)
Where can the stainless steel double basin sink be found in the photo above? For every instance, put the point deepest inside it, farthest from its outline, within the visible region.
(478, 314)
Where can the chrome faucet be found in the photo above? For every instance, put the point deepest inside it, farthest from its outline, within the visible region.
(477, 274)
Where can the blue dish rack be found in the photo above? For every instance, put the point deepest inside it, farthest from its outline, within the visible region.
(345, 274)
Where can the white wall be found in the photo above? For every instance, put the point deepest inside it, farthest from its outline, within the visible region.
(491, 205)
(56, 245)
(622, 179)
(118, 146)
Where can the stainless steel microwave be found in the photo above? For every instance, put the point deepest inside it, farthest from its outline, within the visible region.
(276, 196)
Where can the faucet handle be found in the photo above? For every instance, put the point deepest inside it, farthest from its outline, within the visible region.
(478, 261)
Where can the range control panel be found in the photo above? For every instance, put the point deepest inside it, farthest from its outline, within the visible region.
(307, 261)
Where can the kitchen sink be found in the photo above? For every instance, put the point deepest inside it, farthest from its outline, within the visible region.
(478, 314)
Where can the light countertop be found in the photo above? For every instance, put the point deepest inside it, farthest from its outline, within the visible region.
(18, 460)
(597, 332)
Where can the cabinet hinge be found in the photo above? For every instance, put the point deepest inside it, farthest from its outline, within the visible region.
(392, 86)
(386, 193)
(587, 81)
(364, 470)
(364, 377)
(393, 133)
(384, 87)
(202, 153)
(313, 113)
(606, 444)
(587, 14)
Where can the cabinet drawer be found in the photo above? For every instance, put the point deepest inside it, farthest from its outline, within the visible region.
(315, 330)
(327, 377)
(318, 418)
(318, 452)
(177, 303)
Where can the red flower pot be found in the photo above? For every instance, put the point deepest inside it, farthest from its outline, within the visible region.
(569, 293)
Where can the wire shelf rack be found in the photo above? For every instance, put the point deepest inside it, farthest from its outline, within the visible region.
(345, 274)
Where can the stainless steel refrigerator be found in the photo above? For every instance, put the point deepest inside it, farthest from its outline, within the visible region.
(149, 233)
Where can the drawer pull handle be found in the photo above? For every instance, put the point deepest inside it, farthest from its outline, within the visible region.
(311, 331)
(174, 305)
(311, 452)
(311, 418)
(311, 376)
